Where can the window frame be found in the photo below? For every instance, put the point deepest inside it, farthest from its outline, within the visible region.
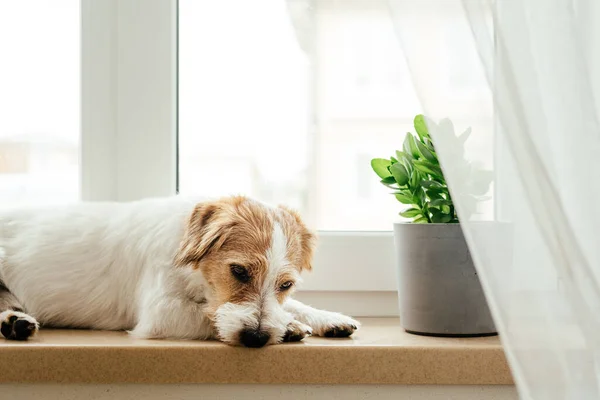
(129, 144)
(124, 80)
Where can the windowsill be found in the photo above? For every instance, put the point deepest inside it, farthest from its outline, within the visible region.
(381, 352)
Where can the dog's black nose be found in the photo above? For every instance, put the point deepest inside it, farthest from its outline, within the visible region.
(254, 338)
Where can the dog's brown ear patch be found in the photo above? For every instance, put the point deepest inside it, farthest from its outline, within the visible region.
(295, 227)
(309, 242)
(203, 233)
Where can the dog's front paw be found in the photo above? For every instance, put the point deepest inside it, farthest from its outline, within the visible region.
(335, 325)
(296, 331)
(17, 325)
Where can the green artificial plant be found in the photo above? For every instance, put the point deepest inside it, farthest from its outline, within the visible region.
(416, 178)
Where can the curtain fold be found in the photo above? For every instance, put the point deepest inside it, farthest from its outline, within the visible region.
(537, 251)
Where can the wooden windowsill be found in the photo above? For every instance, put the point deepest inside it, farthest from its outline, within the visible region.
(381, 352)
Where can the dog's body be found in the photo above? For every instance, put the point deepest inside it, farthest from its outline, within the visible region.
(160, 268)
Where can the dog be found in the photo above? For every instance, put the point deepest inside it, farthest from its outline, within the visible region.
(170, 268)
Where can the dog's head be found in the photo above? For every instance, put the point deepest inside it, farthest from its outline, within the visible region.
(250, 256)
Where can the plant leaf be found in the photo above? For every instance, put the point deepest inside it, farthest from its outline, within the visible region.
(415, 178)
(421, 195)
(428, 168)
(406, 157)
(393, 160)
(390, 182)
(421, 126)
(404, 199)
(410, 146)
(420, 220)
(438, 191)
(400, 154)
(428, 155)
(437, 218)
(410, 213)
(380, 166)
(431, 184)
(440, 202)
(429, 143)
(399, 173)
(434, 195)
(446, 218)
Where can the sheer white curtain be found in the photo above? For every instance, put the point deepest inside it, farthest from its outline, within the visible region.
(524, 75)
(536, 240)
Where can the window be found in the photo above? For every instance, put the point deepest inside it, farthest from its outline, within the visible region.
(291, 109)
(39, 101)
(275, 117)
(284, 100)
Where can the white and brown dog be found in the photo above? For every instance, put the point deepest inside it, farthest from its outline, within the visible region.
(161, 268)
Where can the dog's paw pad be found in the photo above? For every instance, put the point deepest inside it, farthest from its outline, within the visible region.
(296, 331)
(337, 326)
(17, 325)
(340, 331)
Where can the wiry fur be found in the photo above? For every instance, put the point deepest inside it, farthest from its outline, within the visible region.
(159, 268)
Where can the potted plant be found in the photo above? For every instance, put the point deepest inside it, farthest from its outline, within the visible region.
(439, 290)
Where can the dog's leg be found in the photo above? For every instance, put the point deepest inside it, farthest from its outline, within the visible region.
(323, 323)
(172, 318)
(14, 323)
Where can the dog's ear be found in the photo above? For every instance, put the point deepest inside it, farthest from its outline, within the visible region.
(204, 232)
(309, 242)
(308, 239)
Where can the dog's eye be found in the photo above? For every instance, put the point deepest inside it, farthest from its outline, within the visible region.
(240, 273)
(286, 285)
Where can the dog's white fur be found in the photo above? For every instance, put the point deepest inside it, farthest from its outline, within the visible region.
(111, 266)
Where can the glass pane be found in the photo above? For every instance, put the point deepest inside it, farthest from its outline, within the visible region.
(288, 101)
(39, 101)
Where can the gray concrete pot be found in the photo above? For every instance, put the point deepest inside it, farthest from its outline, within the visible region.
(439, 290)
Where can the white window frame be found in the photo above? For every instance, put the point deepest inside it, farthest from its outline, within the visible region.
(129, 145)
